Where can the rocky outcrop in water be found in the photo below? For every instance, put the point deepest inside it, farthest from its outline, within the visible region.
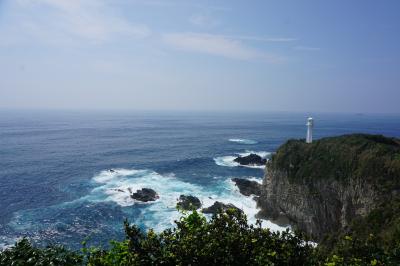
(219, 206)
(251, 159)
(322, 187)
(188, 203)
(145, 195)
(248, 187)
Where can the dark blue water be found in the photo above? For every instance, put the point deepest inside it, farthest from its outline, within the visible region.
(54, 184)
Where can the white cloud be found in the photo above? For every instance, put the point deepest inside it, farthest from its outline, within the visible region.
(93, 20)
(182, 4)
(217, 45)
(210, 44)
(266, 39)
(203, 21)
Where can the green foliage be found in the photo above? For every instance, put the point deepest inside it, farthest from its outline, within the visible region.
(118, 254)
(227, 239)
(355, 251)
(383, 223)
(371, 157)
(24, 254)
(372, 239)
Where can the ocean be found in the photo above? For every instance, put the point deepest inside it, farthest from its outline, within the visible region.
(55, 186)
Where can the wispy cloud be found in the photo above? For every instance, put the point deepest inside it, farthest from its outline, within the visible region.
(306, 48)
(92, 20)
(261, 38)
(217, 45)
(182, 3)
(203, 21)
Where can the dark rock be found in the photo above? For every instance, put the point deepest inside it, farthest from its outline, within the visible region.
(247, 187)
(220, 206)
(280, 219)
(252, 159)
(145, 195)
(188, 203)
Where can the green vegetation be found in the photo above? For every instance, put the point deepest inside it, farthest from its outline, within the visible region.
(226, 239)
(380, 229)
(371, 157)
(24, 254)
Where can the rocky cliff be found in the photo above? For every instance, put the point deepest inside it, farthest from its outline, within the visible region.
(322, 187)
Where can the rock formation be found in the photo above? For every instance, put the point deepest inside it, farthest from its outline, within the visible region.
(217, 206)
(251, 159)
(145, 195)
(188, 203)
(247, 187)
(322, 187)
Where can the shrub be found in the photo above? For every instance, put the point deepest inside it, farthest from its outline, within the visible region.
(226, 239)
(24, 254)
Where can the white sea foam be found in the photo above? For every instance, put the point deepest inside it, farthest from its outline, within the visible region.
(117, 187)
(8, 242)
(108, 175)
(226, 161)
(254, 166)
(247, 204)
(262, 154)
(229, 161)
(244, 141)
(255, 179)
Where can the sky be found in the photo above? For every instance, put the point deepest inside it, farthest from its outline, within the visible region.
(306, 56)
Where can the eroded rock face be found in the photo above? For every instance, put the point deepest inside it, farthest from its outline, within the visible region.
(145, 195)
(220, 206)
(188, 202)
(252, 159)
(248, 187)
(317, 208)
(321, 187)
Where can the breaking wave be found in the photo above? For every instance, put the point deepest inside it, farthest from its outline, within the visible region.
(92, 214)
(117, 186)
(244, 141)
(228, 161)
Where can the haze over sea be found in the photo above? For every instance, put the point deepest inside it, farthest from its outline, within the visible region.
(55, 186)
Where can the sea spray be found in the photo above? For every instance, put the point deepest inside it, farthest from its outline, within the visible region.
(162, 213)
(229, 160)
(243, 141)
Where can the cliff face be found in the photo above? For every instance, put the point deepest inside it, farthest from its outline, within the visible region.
(322, 187)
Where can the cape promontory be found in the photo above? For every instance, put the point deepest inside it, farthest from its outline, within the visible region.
(329, 185)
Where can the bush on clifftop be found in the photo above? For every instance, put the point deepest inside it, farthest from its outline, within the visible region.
(372, 157)
(226, 239)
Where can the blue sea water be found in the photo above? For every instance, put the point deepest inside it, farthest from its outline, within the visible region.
(55, 186)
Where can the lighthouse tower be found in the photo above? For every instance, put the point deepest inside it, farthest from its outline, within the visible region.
(310, 125)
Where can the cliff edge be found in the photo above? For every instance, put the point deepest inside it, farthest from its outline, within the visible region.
(325, 186)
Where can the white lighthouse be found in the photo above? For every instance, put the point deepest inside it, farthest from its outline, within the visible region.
(310, 125)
